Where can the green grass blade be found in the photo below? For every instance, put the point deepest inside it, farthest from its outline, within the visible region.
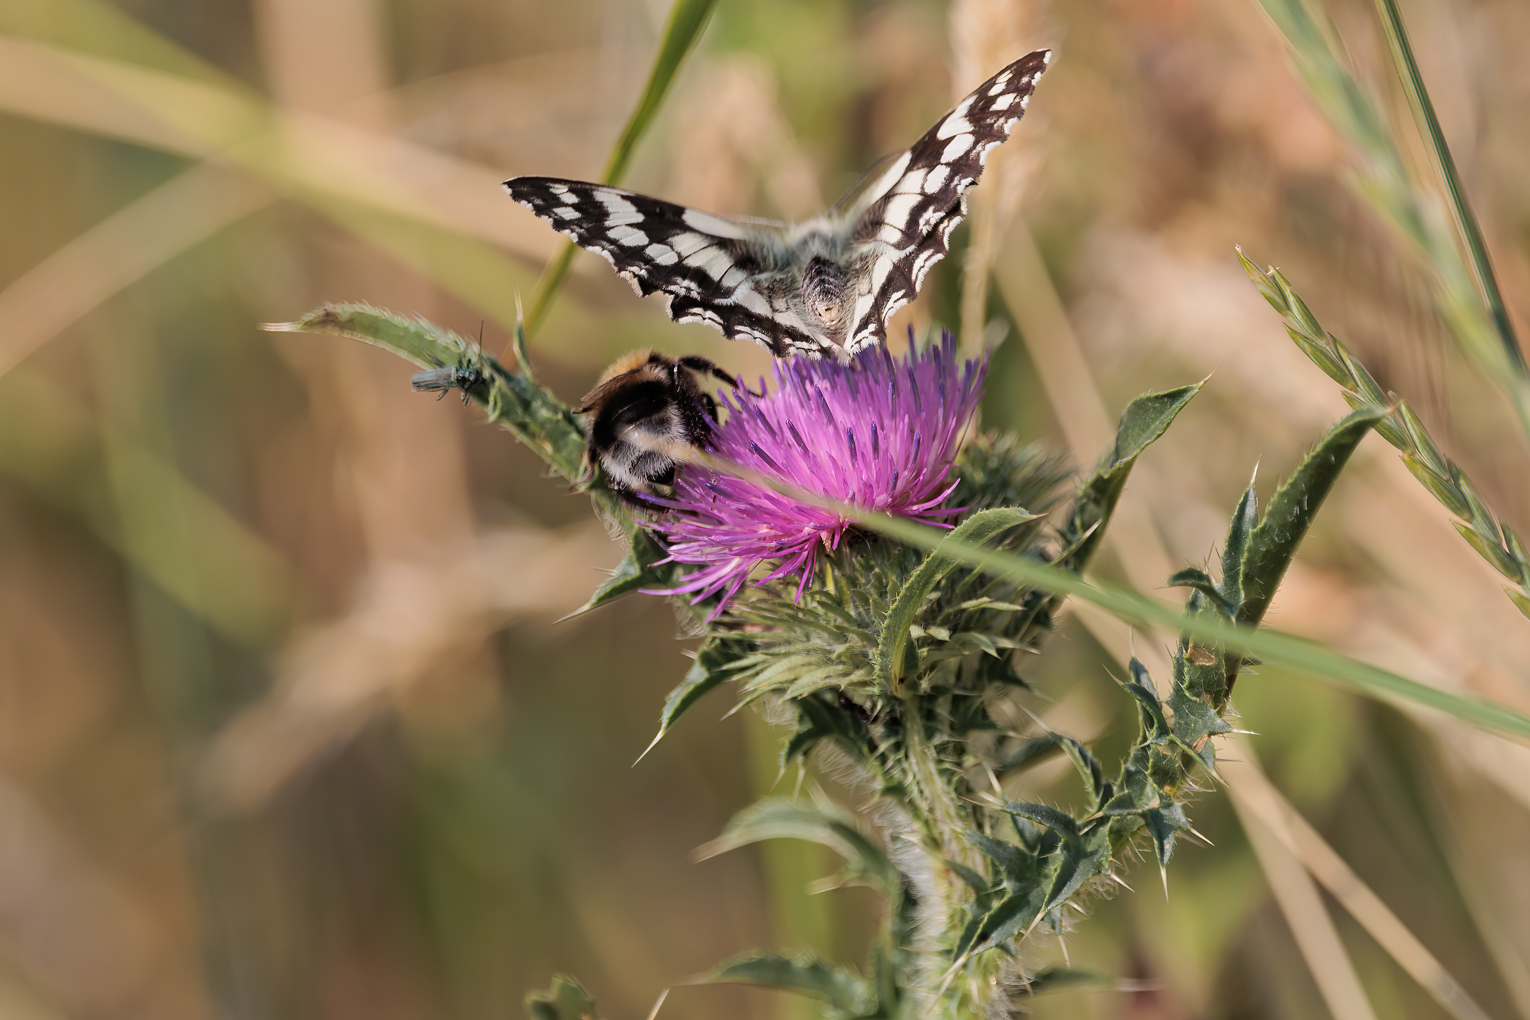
(687, 20)
(104, 30)
(1267, 645)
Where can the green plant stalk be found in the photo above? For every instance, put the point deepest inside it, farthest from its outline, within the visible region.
(1445, 165)
(1385, 182)
(687, 20)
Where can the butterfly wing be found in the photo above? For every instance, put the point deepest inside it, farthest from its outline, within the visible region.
(728, 274)
(904, 218)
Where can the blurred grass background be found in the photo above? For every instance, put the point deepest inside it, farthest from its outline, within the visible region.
(286, 726)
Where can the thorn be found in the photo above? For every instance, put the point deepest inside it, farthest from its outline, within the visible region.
(576, 613)
(1163, 871)
(945, 979)
(994, 779)
(1121, 882)
(1197, 835)
(651, 745)
(652, 1013)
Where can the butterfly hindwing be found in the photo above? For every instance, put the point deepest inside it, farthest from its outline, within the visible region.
(910, 212)
(716, 271)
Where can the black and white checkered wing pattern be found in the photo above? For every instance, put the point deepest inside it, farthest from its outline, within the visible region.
(713, 269)
(910, 211)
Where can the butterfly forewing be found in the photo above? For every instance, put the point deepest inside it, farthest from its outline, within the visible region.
(824, 288)
(911, 210)
(730, 275)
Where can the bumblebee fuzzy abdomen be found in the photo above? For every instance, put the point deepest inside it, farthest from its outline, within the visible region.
(634, 441)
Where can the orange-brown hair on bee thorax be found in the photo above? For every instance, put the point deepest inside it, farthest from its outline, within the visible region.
(629, 362)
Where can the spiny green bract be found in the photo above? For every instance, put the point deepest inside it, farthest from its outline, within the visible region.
(829, 640)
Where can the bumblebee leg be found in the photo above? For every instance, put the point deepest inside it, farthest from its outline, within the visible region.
(696, 363)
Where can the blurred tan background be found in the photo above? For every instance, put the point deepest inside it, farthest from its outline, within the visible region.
(287, 728)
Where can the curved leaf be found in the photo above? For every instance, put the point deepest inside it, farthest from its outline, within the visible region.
(528, 411)
(1143, 421)
(821, 822)
(893, 650)
(714, 660)
(1286, 520)
(804, 974)
(565, 1000)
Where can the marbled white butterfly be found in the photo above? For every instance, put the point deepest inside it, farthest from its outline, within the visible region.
(821, 288)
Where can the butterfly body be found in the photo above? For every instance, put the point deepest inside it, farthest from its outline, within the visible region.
(823, 288)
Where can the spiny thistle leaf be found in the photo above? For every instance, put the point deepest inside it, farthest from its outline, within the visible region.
(421, 342)
(818, 721)
(1089, 768)
(1143, 421)
(535, 417)
(1292, 508)
(847, 992)
(1235, 549)
(640, 569)
(1162, 824)
(715, 660)
(1009, 917)
(823, 823)
(1195, 577)
(1016, 865)
(565, 1000)
(1028, 752)
(1059, 979)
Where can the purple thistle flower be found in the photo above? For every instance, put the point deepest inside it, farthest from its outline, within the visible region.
(878, 433)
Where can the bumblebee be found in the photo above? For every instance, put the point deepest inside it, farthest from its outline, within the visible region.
(645, 409)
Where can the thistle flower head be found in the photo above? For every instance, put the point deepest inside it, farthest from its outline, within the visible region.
(878, 433)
